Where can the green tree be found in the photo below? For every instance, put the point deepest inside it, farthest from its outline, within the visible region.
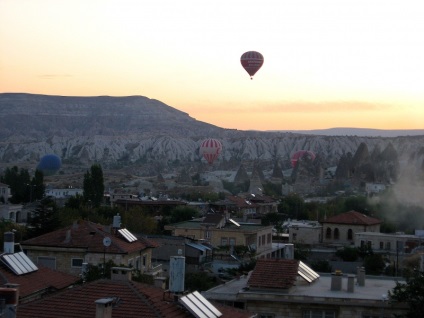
(93, 185)
(374, 264)
(44, 219)
(293, 206)
(38, 188)
(139, 222)
(411, 293)
(348, 254)
(19, 182)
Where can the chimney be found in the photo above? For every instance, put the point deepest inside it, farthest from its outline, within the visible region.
(104, 307)
(68, 237)
(160, 282)
(350, 283)
(9, 242)
(336, 280)
(361, 276)
(9, 298)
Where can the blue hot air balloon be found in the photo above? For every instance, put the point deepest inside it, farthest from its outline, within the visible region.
(49, 164)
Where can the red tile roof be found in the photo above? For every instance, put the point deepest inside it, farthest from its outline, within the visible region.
(88, 235)
(132, 300)
(42, 280)
(274, 273)
(352, 217)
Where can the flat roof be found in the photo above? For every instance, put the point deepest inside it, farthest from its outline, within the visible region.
(374, 289)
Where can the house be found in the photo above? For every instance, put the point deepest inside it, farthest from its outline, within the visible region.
(217, 229)
(304, 232)
(195, 252)
(63, 193)
(120, 297)
(4, 193)
(32, 282)
(340, 229)
(86, 242)
(289, 288)
(394, 246)
(15, 213)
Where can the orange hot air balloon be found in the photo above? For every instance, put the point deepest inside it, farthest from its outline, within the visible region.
(252, 61)
(210, 149)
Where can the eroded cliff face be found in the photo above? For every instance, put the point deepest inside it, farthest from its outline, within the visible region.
(136, 129)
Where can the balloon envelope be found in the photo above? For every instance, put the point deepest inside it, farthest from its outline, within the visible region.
(210, 149)
(252, 61)
(298, 155)
(49, 164)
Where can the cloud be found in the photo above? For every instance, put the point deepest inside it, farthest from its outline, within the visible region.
(53, 76)
(304, 107)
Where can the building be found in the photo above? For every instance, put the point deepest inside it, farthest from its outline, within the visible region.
(120, 297)
(86, 242)
(219, 230)
(278, 288)
(374, 188)
(394, 246)
(63, 193)
(195, 252)
(32, 282)
(303, 232)
(4, 193)
(340, 229)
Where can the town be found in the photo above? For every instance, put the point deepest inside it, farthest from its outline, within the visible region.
(250, 254)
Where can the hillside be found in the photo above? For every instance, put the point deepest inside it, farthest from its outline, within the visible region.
(118, 131)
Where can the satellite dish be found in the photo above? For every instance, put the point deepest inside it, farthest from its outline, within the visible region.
(107, 241)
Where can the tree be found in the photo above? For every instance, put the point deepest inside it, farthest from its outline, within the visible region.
(93, 185)
(45, 218)
(412, 293)
(19, 182)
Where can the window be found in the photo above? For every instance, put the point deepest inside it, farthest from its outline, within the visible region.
(232, 241)
(49, 262)
(388, 246)
(224, 241)
(77, 262)
(315, 313)
(268, 238)
(350, 234)
(381, 245)
(328, 233)
(207, 235)
(336, 234)
(144, 260)
(263, 239)
(137, 262)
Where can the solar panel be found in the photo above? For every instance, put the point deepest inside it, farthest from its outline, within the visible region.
(19, 263)
(307, 273)
(127, 235)
(199, 306)
(234, 222)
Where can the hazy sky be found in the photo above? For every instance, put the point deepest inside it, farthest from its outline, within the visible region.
(328, 63)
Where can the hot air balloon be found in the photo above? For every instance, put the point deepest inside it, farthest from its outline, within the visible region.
(298, 155)
(49, 164)
(210, 149)
(252, 62)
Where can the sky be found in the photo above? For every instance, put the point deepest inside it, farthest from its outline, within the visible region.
(327, 63)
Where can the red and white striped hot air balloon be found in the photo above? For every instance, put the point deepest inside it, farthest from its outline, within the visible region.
(210, 149)
(252, 61)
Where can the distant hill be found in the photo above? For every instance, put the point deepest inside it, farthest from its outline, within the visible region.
(136, 130)
(363, 132)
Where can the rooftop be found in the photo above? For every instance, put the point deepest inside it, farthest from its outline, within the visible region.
(130, 299)
(89, 236)
(352, 217)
